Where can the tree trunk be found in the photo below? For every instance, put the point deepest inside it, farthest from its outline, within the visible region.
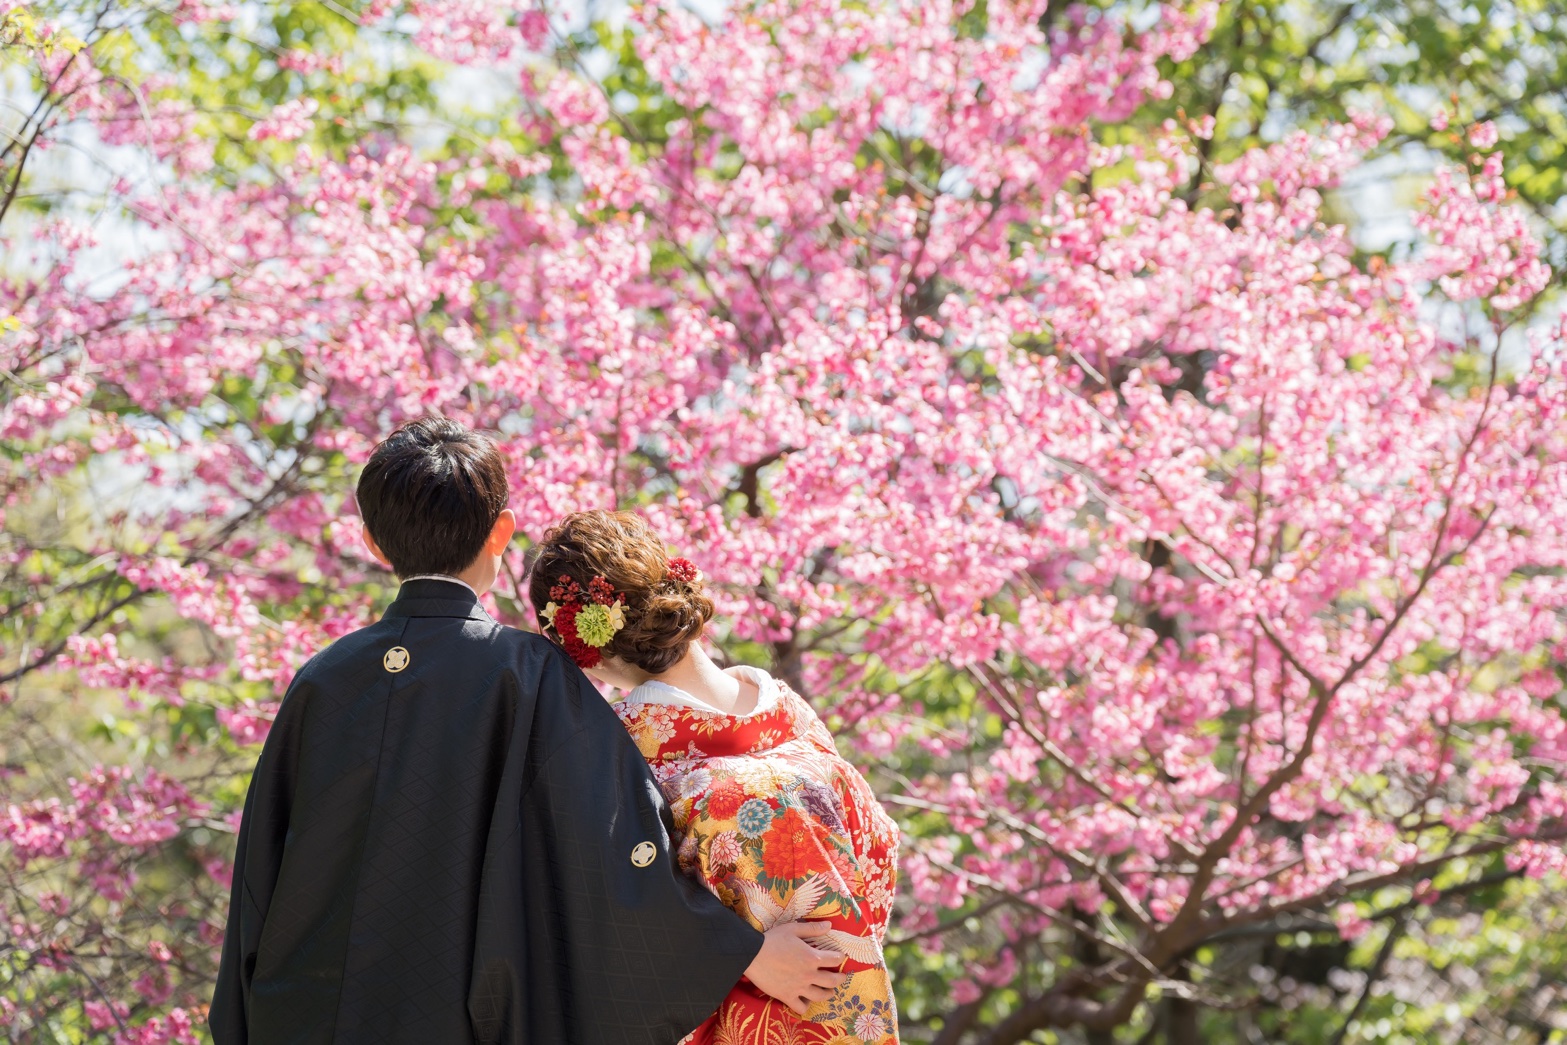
(1181, 1022)
(1180, 1017)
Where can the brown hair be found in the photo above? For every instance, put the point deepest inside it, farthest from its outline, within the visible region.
(664, 614)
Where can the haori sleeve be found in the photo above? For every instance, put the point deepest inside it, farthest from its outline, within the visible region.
(616, 945)
(257, 860)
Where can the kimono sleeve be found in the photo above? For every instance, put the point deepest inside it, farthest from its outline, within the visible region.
(596, 938)
(257, 860)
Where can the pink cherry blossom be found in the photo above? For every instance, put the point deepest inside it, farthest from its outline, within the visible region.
(287, 122)
(1483, 135)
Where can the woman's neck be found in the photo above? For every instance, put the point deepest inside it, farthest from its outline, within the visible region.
(696, 674)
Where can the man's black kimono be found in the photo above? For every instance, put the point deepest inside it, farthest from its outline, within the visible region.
(444, 842)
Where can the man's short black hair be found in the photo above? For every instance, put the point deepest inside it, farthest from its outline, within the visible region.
(430, 494)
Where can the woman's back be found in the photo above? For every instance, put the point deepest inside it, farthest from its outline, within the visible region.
(770, 818)
(780, 828)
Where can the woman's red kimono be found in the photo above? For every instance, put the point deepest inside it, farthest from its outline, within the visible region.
(780, 828)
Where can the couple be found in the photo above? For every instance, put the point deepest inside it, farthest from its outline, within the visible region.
(450, 837)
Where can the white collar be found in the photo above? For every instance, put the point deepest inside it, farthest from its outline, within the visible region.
(441, 577)
(655, 692)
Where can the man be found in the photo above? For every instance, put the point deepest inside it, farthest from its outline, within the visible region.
(450, 838)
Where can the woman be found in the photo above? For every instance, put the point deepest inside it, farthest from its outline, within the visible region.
(770, 818)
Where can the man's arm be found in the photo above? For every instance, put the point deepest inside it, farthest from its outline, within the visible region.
(259, 854)
(600, 938)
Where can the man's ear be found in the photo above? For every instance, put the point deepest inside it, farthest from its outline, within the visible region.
(500, 533)
(375, 549)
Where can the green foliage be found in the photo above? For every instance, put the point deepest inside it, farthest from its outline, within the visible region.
(1275, 65)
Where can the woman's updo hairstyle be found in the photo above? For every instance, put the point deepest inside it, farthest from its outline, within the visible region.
(664, 614)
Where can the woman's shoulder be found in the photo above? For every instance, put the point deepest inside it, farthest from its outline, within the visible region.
(773, 693)
(807, 723)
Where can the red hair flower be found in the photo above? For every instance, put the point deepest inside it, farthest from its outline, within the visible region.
(565, 590)
(565, 624)
(683, 570)
(585, 625)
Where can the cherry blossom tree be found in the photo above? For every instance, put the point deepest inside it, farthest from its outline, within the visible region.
(1176, 571)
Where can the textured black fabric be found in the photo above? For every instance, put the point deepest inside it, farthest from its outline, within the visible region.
(443, 854)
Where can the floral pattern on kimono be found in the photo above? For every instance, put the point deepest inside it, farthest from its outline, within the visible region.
(780, 828)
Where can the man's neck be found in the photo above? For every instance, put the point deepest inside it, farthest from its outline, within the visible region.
(454, 578)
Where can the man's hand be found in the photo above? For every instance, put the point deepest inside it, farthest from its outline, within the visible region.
(791, 970)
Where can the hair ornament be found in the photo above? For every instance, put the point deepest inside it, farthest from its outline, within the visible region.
(684, 570)
(585, 621)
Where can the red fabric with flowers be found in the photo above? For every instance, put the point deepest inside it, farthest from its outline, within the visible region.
(780, 828)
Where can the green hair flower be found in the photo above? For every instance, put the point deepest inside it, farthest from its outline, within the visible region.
(596, 625)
